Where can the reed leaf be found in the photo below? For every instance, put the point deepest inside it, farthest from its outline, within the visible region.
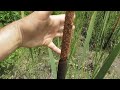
(89, 35)
(53, 64)
(108, 62)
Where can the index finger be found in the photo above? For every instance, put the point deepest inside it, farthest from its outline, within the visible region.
(62, 19)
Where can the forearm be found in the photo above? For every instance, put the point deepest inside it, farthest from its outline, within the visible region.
(10, 39)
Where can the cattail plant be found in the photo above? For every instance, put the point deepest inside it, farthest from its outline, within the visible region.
(111, 57)
(67, 33)
(113, 30)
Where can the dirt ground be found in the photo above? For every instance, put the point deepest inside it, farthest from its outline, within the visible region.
(116, 66)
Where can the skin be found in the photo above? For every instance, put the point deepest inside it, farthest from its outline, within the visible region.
(37, 29)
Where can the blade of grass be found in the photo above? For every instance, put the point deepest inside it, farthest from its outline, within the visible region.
(101, 41)
(22, 14)
(87, 40)
(53, 64)
(58, 42)
(89, 34)
(107, 42)
(113, 30)
(108, 62)
(107, 14)
(103, 44)
(105, 21)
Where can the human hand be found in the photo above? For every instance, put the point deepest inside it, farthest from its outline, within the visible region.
(36, 29)
(40, 28)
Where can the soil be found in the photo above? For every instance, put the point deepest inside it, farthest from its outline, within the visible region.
(116, 66)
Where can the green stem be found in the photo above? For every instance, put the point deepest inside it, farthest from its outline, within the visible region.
(67, 33)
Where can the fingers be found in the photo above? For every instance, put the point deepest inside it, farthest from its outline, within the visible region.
(59, 18)
(73, 28)
(62, 19)
(60, 31)
(59, 35)
(54, 48)
(62, 27)
(43, 14)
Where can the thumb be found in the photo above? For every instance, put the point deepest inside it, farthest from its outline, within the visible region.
(54, 48)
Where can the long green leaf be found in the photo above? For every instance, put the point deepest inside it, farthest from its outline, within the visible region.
(53, 65)
(105, 21)
(22, 14)
(89, 35)
(87, 41)
(108, 62)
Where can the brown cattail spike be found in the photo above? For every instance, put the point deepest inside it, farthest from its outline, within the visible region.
(67, 33)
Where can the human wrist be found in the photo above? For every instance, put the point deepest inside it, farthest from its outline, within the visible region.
(16, 35)
(10, 39)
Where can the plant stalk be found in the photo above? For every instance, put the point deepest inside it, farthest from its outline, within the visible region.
(67, 33)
